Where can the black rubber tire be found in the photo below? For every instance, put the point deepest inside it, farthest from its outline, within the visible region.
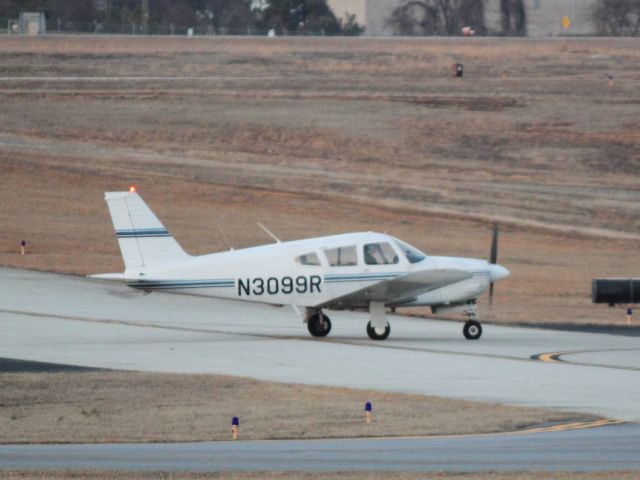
(472, 330)
(315, 328)
(373, 335)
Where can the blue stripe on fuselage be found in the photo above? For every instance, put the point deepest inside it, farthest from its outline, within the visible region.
(169, 284)
(360, 277)
(143, 232)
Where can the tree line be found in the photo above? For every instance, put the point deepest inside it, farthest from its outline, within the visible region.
(214, 16)
(449, 17)
(617, 17)
(296, 17)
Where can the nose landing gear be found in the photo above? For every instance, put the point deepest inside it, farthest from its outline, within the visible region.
(472, 329)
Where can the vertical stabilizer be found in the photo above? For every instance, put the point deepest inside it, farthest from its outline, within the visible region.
(143, 240)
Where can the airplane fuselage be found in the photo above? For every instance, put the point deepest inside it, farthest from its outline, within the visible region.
(270, 274)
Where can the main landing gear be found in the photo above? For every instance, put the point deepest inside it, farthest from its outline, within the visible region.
(472, 330)
(319, 324)
(379, 333)
(378, 327)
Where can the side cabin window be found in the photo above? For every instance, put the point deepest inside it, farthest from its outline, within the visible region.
(308, 259)
(342, 256)
(379, 254)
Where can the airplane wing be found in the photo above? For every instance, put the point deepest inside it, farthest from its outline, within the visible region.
(399, 289)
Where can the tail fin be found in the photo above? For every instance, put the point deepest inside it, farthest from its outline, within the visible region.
(142, 238)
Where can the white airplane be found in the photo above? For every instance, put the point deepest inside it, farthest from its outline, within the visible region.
(354, 271)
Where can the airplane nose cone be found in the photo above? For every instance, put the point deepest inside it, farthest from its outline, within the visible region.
(498, 272)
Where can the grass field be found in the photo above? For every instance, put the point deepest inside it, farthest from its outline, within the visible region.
(320, 136)
(142, 407)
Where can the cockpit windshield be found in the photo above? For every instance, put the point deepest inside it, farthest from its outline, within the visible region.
(413, 254)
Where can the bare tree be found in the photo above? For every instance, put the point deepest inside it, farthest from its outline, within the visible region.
(437, 17)
(415, 18)
(471, 14)
(513, 14)
(617, 17)
(298, 16)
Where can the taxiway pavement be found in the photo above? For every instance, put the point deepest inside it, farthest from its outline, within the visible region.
(77, 321)
(602, 449)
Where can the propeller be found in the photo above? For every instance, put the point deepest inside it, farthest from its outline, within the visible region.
(493, 257)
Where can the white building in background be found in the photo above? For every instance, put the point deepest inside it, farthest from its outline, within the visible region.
(544, 16)
(32, 23)
(371, 14)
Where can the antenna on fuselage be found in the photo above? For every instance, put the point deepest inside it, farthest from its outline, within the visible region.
(269, 232)
(226, 240)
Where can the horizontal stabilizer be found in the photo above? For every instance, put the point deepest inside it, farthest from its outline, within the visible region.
(108, 276)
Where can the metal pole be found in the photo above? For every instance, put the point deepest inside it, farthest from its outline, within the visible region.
(145, 16)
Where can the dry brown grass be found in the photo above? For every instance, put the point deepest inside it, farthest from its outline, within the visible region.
(93, 475)
(338, 135)
(143, 407)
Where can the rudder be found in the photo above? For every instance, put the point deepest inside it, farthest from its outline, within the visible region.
(143, 240)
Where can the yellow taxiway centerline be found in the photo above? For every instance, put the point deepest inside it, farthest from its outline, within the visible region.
(552, 428)
(572, 426)
(551, 357)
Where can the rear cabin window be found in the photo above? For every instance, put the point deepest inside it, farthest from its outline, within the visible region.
(308, 259)
(379, 254)
(342, 256)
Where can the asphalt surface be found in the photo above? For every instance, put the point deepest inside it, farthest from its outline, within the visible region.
(77, 321)
(601, 449)
(11, 365)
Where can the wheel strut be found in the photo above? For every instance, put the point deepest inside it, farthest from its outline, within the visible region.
(472, 329)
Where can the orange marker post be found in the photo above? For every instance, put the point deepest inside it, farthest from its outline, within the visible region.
(235, 428)
(368, 412)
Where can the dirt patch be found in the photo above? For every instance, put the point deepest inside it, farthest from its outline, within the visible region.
(476, 104)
